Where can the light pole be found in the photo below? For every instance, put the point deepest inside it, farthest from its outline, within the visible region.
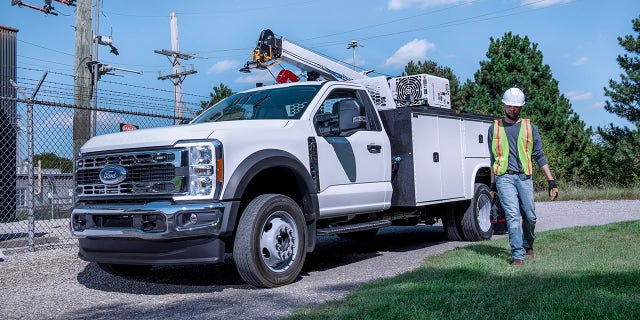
(353, 45)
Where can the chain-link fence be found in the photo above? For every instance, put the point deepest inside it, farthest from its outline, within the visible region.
(36, 162)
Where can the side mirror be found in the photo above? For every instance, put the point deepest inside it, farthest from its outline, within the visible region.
(350, 114)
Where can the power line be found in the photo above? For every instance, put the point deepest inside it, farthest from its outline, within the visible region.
(48, 61)
(43, 47)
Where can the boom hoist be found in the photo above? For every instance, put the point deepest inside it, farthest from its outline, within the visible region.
(271, 51)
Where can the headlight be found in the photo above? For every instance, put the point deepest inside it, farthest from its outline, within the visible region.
(205, 169)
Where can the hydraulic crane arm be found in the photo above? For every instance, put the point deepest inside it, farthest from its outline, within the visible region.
(271, 50)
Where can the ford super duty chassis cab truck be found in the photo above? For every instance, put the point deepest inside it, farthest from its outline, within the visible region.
(264, 172)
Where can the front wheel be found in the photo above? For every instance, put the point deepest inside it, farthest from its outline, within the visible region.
(270, 245)
(476, 220)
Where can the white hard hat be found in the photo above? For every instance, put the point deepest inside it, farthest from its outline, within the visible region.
(513, 97)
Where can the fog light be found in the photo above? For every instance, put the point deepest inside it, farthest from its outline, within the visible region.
(79, 222)
(193, 218)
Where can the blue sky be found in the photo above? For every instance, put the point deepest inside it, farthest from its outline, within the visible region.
(578, 39)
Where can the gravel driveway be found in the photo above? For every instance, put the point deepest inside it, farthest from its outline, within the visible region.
(55, 284)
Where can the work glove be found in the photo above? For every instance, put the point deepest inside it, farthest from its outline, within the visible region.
(493, 190)
(553, 190)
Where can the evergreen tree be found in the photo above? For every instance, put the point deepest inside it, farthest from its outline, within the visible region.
(219, 93)
(516, 61)
(625, 95)
(432, 68)
(616, 156)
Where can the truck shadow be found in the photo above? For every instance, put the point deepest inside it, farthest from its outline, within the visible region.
(330, 252)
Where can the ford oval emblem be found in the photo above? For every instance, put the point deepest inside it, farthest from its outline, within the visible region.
(113, 174)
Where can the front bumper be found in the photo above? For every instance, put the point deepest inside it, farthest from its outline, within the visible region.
(160, 232)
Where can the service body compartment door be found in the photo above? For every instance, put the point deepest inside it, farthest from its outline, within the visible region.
(438, 158)
(427, 166)
(451, 158)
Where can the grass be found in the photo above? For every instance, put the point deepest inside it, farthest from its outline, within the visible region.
(573, 192)
(578, 273)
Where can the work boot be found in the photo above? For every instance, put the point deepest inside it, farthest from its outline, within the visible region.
(529, 253)
(517, 262)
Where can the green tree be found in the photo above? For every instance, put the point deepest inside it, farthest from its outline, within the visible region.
(625, 95)
(616, 155)
(50, 160)
(432, 68)
(516, 61)
(219, 92)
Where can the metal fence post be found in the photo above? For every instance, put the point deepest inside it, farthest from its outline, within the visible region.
(30, 189)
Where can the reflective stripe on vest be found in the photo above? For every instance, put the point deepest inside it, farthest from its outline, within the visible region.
(500, 147)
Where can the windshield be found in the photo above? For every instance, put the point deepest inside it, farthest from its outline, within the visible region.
(275, 103)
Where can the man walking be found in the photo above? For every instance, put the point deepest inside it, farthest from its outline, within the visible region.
(513, 142)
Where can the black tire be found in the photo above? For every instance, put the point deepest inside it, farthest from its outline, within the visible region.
(359, 235)
(476, 219)
(124, 270)
(270, 245)
(451, 222)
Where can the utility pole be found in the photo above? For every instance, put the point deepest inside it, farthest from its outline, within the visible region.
(353, 45)
(175, 56)
(95, 68)
(82, 76)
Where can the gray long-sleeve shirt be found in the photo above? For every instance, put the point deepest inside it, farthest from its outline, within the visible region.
(512, 131)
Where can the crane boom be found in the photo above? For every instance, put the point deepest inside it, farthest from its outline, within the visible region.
(271, 50)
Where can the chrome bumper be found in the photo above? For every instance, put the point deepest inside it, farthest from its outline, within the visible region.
(151, 221)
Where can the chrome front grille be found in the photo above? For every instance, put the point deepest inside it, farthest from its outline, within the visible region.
(147, 172)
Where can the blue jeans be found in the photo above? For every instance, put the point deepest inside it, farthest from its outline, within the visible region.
(516, 196)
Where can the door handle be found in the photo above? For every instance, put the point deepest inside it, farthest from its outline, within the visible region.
(374, 148)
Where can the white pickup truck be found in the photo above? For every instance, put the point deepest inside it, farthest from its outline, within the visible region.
(266, 171)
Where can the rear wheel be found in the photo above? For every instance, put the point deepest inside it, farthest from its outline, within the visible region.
(451, 221)
(476, 219)
(270, 245)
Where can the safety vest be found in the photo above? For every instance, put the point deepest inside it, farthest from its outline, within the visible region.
(500, 147)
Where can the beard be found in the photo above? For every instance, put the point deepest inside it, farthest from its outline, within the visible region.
(513, 118)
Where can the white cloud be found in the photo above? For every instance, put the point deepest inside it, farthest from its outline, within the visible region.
(257, 76)
(598, 105)
(359, 61)
(580, 61)
(65, 120)
(60, 120)
(403, 4)
(537, 4)
(414, 50)
(579, 95)
(109, 119)
(222, 66)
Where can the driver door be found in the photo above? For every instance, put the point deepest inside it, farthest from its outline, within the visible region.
(353, 166)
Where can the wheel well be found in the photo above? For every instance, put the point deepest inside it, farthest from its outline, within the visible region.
(279, 180)
(483, 176)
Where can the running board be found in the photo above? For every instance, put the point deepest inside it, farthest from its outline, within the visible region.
(353, 227)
